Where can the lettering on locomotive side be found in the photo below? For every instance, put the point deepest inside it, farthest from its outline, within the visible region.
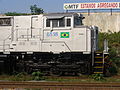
(56, 34)
(49, 34)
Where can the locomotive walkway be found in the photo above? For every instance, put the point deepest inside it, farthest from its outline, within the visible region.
(59, 85)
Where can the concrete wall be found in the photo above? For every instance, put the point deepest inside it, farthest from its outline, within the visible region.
(105, 21)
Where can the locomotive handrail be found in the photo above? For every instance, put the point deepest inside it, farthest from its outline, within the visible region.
(16, 30)
(4, 46)
(7, 39)
(27, 36)
(67, 46)
(4, 41)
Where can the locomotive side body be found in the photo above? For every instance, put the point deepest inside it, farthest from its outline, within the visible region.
(51, 43)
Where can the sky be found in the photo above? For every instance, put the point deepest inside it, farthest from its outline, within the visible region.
(49, 6)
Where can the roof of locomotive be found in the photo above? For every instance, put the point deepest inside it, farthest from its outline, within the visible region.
(60, 14)
(49, 15)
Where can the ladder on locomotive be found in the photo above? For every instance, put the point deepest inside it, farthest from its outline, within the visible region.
(98, 63)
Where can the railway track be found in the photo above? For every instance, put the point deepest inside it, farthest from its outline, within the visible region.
(60, 85)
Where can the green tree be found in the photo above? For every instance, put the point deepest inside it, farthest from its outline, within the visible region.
(114, 43)
(15, 14)
(35, 10)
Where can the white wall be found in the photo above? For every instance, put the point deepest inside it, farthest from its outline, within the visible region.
(104, 20)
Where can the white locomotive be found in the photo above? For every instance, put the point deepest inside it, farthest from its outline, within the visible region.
(51, 43)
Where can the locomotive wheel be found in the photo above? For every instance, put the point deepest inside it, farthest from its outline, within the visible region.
(55, 72)
(89, 69)
(29, 69)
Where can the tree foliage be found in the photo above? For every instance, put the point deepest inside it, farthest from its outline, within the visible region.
(15, 14)
(113, 43)
(35, 10)
(114, 50)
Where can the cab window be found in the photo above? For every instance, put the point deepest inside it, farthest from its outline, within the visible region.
(68, 22)
(58, 22)
(47, 23)
(5, 21)
(62, 22)
(55, 22)
(77, 21)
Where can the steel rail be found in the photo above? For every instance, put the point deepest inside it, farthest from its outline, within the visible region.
(45, 84)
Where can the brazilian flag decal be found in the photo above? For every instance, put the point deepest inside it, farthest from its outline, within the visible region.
(64, 34)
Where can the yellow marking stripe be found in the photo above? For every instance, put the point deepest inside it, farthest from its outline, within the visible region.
(99, 52)
(98, 72)
(98, 62)
(106, 57)
(98, 67)
(98, 57)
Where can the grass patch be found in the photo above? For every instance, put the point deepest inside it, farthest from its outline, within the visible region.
(37, 76)
(97, 77)
(82, 79)
(17, 77)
